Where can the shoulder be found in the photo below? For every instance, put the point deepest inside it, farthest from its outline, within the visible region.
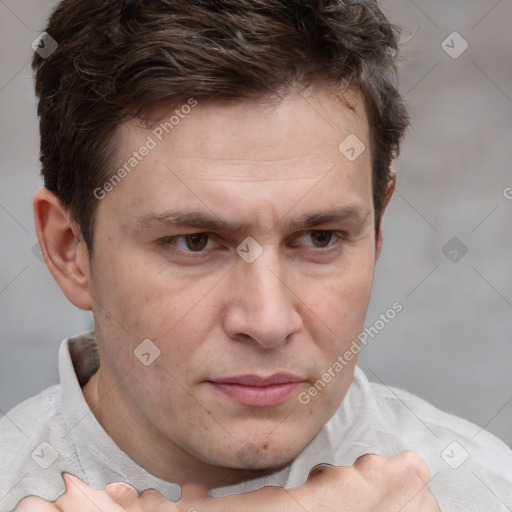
(51, 431)
(469, 465)
(404, 409)
(28, 420)
(32, 438)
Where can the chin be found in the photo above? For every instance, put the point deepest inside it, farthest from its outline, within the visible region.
(263, 455)
(263, 449)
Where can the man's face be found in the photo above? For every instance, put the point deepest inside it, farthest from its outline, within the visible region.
(239, 340)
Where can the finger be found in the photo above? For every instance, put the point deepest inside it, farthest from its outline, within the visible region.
(373, 468)
(425, 502)
(371, 460)
(35, 504)
(430, 503)
(192, 497)
(320, 467)
(123, 494)
(80, 497)
(155, 502)
(414, 463)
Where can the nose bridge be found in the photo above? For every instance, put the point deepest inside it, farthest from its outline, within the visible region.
(267, 313)
(265, 277)
(267, 274)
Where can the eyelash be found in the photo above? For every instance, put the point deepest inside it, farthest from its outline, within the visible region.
(337, 235)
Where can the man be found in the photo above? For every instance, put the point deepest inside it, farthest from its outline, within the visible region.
(215, 179)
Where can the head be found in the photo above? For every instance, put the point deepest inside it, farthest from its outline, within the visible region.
(215, 178)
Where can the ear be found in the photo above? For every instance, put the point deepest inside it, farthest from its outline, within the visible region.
(63, 247)
(389, 193)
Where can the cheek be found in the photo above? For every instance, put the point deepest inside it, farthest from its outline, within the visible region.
(337, 310)
(145, 296)
(342, 297)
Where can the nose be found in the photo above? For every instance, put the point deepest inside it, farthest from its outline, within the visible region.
(262, 305)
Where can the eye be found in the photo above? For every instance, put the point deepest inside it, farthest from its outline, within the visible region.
(321, 239)
(195, 242)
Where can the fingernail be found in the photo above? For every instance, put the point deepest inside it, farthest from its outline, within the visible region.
(118, 487)
(321, 465)
(316, 470)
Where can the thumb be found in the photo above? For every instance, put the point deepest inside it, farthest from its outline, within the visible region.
(80, 497)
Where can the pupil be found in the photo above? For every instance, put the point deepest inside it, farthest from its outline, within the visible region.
(323, 237)
(196, 242)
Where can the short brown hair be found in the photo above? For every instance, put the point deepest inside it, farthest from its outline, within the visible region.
(117, 58)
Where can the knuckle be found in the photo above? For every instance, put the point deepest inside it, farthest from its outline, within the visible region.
(414, 464)
(431, 503)
(35, 504)
(369, 462)
(320, 469)
(322, 474)
(26, 503)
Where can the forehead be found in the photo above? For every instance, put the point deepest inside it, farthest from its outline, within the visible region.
(218, 152)
(301, 126)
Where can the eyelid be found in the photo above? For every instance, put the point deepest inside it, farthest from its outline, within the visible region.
(337, 235)
(168, 240)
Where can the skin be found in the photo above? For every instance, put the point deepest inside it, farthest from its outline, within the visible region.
(372, 484)
(295, 309)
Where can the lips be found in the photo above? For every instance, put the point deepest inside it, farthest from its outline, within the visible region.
(256, 380)
(258, 391)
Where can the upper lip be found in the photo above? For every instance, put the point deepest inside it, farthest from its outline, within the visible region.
(256, 380)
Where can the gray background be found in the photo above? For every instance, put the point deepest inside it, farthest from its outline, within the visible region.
(451, 344)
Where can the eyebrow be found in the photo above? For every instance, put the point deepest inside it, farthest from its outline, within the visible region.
(202, 220)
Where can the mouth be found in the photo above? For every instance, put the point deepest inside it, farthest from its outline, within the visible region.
(257, 391)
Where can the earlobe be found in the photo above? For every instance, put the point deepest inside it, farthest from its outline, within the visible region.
(379, 235)
(63, 248)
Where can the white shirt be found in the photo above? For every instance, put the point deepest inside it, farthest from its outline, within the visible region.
(55, 431)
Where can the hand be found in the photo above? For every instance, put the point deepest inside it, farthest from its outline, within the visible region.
(117, 497)
(372, 484)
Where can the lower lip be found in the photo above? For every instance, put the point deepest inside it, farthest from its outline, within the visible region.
(258, 396)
